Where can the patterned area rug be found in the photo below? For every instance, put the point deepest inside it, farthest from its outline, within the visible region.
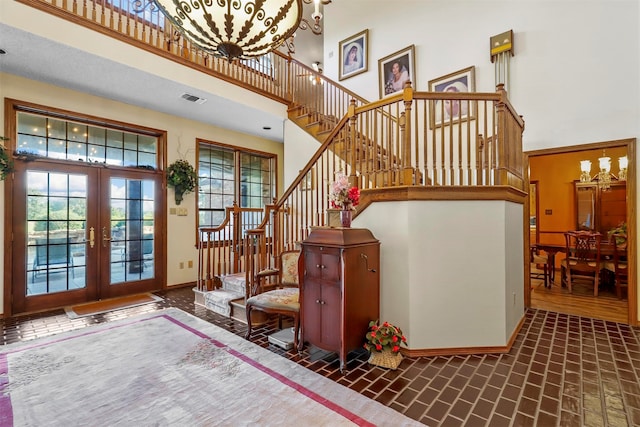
(169, 368)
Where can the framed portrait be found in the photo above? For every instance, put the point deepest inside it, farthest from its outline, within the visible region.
(453, 111)
(308, 181)
(354, 55)
(395, 69)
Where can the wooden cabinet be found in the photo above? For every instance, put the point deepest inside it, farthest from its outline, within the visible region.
(600, 210)
(340, 288)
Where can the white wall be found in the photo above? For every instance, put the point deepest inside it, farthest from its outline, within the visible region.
(574, 77)
(449, 270)
(298, 149)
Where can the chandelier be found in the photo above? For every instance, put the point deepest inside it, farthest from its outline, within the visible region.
(604, 175)
(240, 29)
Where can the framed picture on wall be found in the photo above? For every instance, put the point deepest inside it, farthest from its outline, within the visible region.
(453, 111)
(395, 69)
(354, 56)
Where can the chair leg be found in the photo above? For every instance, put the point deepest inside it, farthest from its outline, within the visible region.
(248, 313)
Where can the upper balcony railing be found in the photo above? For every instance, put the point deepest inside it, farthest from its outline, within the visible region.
(139, 23)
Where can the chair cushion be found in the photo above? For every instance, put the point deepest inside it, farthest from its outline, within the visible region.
(539, 259)
(278, 299)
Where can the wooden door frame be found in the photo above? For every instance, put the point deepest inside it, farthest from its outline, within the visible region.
(11, 108)
(630, 144)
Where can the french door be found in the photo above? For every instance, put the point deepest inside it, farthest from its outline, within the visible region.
(83, 233)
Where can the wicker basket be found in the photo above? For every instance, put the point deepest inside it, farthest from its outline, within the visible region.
(385, 359)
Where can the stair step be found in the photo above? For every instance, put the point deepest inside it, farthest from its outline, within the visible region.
(239, 313)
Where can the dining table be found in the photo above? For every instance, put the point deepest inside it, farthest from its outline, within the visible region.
(607, 250)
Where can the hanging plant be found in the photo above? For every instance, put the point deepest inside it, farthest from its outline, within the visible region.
(182, 177)
(6, 162)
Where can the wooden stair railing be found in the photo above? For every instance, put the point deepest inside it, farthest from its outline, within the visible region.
(221, 249)
(395, 142)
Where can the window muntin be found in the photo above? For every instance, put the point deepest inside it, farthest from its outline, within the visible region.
(65, 139)
(226, 175)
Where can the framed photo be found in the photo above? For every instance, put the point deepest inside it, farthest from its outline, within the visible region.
(354, 55)
(394, 70)
(308, 181)
(453, 111)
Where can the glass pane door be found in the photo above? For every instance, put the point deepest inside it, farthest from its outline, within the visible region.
(128, 236)
(56, 232)
(132, 230)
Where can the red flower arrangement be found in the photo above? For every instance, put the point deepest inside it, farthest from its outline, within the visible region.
(342, 196)
(385, 337)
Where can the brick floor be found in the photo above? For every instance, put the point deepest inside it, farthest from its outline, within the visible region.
(563, 370)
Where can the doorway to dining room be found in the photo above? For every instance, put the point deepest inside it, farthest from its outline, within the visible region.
(559, 205)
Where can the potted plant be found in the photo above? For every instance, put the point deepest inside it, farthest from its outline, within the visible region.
(383, 342)
(182, 177)
(6, 163)
(619, 233)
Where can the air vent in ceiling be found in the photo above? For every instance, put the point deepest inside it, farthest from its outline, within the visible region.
(193, 98)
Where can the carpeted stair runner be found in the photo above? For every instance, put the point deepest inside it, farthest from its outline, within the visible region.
(219, 300)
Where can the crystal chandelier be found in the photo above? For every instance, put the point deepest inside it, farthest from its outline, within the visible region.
(235, 28)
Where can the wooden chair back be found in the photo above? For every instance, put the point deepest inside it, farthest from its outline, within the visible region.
(583, 257)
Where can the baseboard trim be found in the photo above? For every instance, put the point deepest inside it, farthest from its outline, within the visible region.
(455, 351)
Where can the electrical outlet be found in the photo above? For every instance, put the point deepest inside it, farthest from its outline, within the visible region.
(182, 211)
(181, 265)
(190, 264)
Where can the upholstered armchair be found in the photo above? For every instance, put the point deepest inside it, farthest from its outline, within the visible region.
(277, 292)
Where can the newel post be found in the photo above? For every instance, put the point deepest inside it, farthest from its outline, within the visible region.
(407, 175)
(351, 142)
(509, 157)
(501, 176)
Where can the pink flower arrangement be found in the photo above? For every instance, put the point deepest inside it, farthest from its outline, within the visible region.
(342, 196)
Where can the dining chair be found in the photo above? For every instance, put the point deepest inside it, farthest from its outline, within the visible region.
(537, 260)
(618, 266)
(582, 258)
(277, 291)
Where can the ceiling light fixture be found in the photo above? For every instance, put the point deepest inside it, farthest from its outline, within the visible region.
(234, 28)
(604, 176)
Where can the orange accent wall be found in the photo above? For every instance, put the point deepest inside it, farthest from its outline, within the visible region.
(555, 174)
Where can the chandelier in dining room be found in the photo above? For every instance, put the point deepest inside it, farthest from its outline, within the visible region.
(604, 176)
(240, 29)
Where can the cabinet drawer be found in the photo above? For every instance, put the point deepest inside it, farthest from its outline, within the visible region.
(323, 263)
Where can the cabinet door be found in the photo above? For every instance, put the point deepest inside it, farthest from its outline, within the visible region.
(613, 207)
(331, 317)
(323, 263)
(312, 310)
